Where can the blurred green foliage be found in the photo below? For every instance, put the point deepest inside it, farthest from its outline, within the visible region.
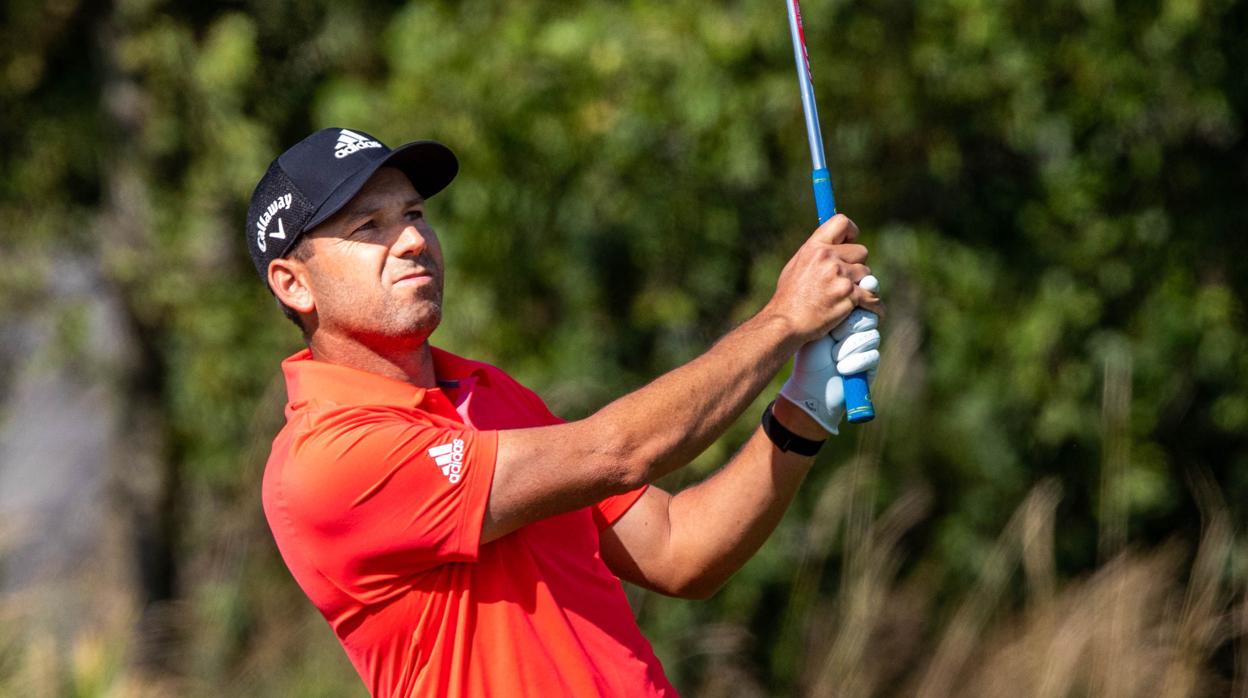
(1053, 191)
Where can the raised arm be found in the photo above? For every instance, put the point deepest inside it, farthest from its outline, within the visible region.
(689, 544)
(650, 432)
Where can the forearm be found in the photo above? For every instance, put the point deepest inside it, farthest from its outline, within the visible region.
(667, 423)
(639, 437)
(717, 525)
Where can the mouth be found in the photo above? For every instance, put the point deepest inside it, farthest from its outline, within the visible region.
(414, 278)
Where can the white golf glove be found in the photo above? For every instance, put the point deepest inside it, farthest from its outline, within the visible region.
(853, 347)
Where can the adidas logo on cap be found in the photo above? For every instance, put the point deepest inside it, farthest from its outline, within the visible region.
(351, 142)
(450, 458)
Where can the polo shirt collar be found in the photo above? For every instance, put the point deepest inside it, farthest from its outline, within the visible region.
(310, 379)
(449, 367)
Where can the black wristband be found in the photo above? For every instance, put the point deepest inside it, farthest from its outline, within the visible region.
(786, 440)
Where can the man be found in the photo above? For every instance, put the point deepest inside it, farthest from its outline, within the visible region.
(459, 538)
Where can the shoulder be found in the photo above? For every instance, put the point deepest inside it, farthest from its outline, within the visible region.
(327, 451)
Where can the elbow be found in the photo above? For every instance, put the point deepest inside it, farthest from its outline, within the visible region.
(698, 588)
(625, 458)
(694, 581)
(629, 474)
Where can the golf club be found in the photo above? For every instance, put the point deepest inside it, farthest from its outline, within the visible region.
(858, 407)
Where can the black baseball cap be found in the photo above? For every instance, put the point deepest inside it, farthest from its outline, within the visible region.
(318, 175)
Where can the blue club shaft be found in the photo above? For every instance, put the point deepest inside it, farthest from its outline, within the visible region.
(858, 407)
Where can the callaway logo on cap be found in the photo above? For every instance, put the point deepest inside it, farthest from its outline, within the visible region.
(317, 176)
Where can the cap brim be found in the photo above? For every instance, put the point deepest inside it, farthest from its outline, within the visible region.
(428, 164)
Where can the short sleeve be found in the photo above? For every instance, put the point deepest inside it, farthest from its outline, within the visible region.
(374, 497)
(609, 510)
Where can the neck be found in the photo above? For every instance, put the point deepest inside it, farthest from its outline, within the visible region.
(410, 362)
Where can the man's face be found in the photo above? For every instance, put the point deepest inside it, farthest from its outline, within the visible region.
(376, 266)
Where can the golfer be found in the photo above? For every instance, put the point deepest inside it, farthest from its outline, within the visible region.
(459, 538)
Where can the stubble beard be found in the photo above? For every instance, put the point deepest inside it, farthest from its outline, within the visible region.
(413, 320)
(390, 323)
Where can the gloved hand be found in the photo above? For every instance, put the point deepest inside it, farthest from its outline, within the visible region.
(857, 344)
(815, 384)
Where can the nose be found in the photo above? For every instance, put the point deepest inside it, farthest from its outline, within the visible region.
(410, 243)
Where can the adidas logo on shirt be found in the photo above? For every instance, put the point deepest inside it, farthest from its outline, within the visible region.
(450, 458)
(351, 142)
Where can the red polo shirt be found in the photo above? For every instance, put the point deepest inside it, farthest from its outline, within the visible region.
(376, 491)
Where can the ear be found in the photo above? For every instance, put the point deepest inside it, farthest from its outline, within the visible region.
(290, 281)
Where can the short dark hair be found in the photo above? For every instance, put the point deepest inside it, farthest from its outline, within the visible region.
(302, 253)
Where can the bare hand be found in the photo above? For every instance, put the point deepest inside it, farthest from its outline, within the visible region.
(818, 288)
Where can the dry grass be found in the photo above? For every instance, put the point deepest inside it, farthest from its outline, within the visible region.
(1146, 623)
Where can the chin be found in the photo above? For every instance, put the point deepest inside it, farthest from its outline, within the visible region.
(424, 322)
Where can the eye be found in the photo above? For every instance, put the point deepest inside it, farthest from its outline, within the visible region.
(368, 225)
(415, 214)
